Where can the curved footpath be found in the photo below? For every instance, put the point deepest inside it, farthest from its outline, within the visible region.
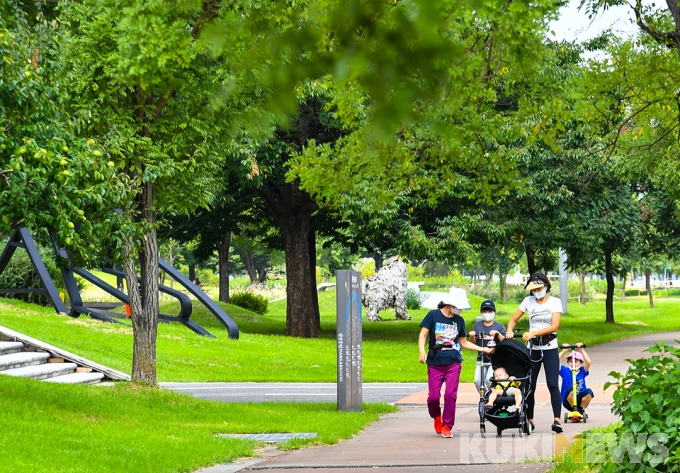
(405, 442)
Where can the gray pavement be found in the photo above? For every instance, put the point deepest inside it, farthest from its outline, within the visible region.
(405, 442)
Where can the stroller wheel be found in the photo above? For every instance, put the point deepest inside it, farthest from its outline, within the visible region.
(585, 417)
(566, 417)
(499, 431)
(527, 427)
(482, 430)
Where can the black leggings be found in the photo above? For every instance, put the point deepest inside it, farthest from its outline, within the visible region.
(551, 362)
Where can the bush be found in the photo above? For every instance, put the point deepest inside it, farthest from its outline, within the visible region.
(414, 298)
(673, 292)
(635, 292)
(250, 301)
(646, 399)
(574, 291)
(492, 292)
(20, 274)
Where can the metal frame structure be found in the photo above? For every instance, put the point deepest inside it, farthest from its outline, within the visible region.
(22, 238)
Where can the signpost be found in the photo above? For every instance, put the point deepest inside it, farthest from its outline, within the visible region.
(348, 300)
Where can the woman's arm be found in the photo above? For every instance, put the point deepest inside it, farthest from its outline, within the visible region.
(513, 321)
(465, 343)
(422, 338)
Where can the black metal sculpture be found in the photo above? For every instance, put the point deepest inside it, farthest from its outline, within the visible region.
(21, 238)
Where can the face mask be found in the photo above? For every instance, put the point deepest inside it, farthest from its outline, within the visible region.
(488, 316)
(456, 311)
(540, 294)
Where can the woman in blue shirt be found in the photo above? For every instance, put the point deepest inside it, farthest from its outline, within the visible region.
(444, 328)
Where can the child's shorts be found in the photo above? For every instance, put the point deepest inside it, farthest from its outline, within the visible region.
(508, 392)
(579, 397)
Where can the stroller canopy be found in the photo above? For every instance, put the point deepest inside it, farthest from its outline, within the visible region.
(513, 356)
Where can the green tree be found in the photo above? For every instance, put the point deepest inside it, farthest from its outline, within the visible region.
(55, 182)
(145, 82)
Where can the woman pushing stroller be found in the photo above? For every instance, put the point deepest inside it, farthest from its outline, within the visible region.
(544, 319)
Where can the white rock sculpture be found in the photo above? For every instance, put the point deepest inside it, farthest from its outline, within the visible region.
(386, 288)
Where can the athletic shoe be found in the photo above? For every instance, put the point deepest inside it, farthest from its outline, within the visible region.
(557, 427)
(446, 432)
(438, 424)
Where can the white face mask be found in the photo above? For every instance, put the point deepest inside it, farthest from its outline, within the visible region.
(456, 311)
(540, 294)
(488, 316)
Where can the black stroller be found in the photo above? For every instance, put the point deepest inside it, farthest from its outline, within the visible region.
(516, 359)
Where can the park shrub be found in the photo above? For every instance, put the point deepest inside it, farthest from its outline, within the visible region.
(635, 292)
(648, 403)
(491, 292)
(414, 299)
(515, 293)
(574, 291)
(250, 301)
(673, 292)
(20, 274)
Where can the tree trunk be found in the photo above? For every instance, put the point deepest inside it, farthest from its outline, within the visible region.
(144, 296)
(249, 263)
(262, 272)
(223, 258)
(531, 258)
(171, 262)
(583, 285)
(609, 273)
(623, 288)
(378, 260)
(311, 238)
(648, 284)
(293, 213)
(504, 296)
(489, 276)
(192, 271)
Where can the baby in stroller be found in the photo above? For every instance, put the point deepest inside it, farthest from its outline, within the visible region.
(511, 387)
(512, 373)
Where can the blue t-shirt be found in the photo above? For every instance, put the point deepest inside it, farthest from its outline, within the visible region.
(567, 385)
(444, 334)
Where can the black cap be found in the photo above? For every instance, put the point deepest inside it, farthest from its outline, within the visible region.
(488, 304)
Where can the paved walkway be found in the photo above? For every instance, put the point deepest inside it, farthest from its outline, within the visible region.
(405, 442)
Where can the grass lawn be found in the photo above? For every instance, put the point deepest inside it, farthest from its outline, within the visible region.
(263, 353)
(62, 428)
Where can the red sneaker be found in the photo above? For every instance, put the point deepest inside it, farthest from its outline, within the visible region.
(446, 432)
(438, 424)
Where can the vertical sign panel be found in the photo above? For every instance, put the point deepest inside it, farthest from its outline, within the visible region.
(349, 314)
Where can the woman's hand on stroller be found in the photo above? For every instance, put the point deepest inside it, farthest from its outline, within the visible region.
(488, 350)
(526, 336)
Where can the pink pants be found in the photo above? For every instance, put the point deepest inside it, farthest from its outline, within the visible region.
(436, 376)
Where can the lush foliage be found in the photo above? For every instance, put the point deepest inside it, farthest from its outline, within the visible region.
(251, 301)
(126, 428)
(414, 298)
(55, 181)
(20, 274)
(647, 400)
